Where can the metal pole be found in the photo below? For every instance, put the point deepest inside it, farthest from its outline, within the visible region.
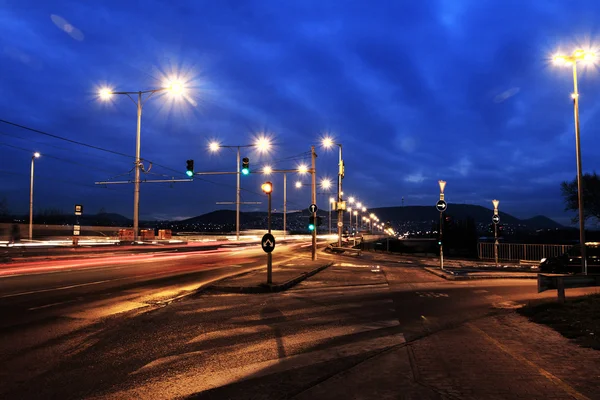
(31, 201)
(330, 221)
(136, 182)
(579, 172)
(237, 198)
(269, 256)
(496, 243)
(284, 203)
(339, 199)
(314, 199)
(441, 241)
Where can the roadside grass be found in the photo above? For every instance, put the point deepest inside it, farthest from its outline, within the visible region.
(577, 319)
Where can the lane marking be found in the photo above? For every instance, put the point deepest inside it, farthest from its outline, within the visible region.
(50, 305)
(557, 381)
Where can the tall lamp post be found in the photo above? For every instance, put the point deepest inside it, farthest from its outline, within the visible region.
(495, 220)
(340, 206)
(586, 56)
(263, 144)
(33, 157)
(174, 87)
(442, 186)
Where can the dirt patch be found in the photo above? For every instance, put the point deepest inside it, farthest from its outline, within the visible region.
(577, 319)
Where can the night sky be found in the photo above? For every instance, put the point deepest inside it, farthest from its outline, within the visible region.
(415, 91)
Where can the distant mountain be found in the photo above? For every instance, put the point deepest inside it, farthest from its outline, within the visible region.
(542, 222)
(459, 212)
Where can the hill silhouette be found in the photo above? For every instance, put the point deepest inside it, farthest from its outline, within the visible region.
(460, 212)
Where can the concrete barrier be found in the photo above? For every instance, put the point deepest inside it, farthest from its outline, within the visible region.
(562, 282)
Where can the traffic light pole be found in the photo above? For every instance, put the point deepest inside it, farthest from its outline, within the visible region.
(441, 240)
(284, 203)
(269, 255)
(496, 244)
(340, 212)
(314, 199)
(237, 198)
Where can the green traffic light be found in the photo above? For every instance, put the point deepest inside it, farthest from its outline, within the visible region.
(245, 171)
(189, 173)
(311, 227)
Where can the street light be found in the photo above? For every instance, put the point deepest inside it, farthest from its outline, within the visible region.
(174, 87)
(495, 220)
(441, 242)
(562, 60)
(328, 143)
(263, 145)
(33, 157)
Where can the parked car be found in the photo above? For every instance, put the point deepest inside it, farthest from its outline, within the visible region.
(570, 261)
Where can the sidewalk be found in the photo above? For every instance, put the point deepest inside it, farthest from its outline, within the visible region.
(461, 274)
(284, 276)
(530, 361)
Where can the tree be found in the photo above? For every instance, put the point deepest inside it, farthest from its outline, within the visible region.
(591, 196)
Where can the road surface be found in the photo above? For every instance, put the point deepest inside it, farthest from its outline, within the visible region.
(351, 331)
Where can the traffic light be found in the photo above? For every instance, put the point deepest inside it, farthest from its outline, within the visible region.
(319, 221)
(311, 223)
(190, 168)
(267, 187)
(245, 166)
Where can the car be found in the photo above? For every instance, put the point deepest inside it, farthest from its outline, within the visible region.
(570, 261)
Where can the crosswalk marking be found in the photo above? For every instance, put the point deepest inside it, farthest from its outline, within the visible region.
(432, 294)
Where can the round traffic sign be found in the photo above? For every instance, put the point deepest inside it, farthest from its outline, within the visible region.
(313, 208)
(340, 224)
(268, 243)
(496, 219)
(441, 205)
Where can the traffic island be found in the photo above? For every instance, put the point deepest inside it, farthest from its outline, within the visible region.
(463, 274)
(285, 276)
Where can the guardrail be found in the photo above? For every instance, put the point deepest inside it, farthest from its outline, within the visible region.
(517, 252)
(562, 282)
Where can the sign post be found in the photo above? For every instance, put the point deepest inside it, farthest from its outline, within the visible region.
(495, 220)
(441, 207)
(76, 226)
(268, 240)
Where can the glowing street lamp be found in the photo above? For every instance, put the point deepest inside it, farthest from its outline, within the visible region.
(328, 143)
(302, 169)
(175, 88)
(578, 55)
(33, 157)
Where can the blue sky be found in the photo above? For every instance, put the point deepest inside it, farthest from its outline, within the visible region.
(415, 91)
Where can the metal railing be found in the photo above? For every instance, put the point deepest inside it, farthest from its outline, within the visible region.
(514, 251)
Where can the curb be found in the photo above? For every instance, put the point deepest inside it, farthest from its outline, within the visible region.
(264, 288)
(466, 277)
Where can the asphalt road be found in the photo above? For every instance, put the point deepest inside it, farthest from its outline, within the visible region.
(266, 346)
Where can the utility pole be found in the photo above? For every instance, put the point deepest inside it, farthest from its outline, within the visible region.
(284, 203)
(314, 199)
(340, 211)
(237, 198)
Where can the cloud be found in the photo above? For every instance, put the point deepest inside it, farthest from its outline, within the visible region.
(415, 92)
